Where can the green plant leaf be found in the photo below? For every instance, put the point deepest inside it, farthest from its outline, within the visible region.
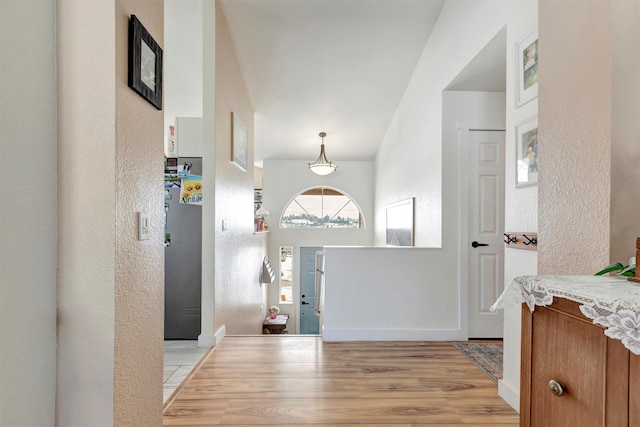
(610, 269)
(629, 271)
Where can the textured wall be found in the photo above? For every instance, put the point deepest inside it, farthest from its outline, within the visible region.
(28, 213)
(625, 153)
(240, 299)
(575, 136)
(139, 287)
(110, 290)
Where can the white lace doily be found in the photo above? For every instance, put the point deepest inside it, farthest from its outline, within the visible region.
(610, 301)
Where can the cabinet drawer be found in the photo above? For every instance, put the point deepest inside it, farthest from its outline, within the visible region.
(559, 344)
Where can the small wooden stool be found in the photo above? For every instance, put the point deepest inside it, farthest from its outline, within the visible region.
(275, 326)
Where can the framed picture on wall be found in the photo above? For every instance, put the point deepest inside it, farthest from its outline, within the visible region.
(400, 223)
(145, 63)
(527, 68)
(239, 142)
(527, 153)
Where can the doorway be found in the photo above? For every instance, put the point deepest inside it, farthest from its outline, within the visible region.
(475, 102)
(309, 322)
(484, 175)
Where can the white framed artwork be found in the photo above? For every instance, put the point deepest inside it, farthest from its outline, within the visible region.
(527, 68)
(400, 223)
(527, 153)
(239, 142)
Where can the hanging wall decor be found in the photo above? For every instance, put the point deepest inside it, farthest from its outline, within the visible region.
(527, 68)
(527, 162)
(145, 63)
(239, 142)
(400, 223)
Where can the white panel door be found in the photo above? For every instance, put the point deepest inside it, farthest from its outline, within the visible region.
(486, 229)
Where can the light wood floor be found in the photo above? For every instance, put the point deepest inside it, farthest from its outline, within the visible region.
(301, 381)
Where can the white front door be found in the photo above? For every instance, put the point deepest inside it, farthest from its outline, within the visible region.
(486, 228)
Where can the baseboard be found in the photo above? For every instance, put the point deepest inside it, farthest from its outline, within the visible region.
(391, 335)
(220, 333)
(509, 395)
(205, 340)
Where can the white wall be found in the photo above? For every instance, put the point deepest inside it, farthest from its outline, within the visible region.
(189, 91)
(414, 142)
(284, 179)
(422, 285)
(390, 294)
(210, 334)
(521, 204)
(461, 111)
(183, 60)
(239, 297)
(28, 216)
(409, 162)
(86, 288)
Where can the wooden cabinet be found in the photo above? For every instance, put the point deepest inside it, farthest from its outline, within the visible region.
(600, 378)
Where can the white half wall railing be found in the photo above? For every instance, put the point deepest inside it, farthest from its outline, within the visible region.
(391, 294)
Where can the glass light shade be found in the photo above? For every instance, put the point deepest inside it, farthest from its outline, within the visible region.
(322, 166)
(322, 169)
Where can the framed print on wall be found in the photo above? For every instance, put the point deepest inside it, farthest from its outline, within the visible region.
(527, 153)
(400, 223)
(239, 142)
(145, 63)
(527, 68)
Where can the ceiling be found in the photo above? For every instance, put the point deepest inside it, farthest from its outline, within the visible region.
(334, 66)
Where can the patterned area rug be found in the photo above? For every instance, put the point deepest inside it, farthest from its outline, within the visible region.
(486, 356)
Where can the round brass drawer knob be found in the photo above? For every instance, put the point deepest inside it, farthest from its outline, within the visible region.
(556, 388)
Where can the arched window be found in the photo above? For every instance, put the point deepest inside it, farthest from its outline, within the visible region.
(322, 207)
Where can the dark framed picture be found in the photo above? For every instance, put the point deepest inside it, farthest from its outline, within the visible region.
(400, 223)
(145, 63)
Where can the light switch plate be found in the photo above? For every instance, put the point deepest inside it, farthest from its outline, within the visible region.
(224, 225)
(143, 226)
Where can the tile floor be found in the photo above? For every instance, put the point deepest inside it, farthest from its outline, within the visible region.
(180, 357)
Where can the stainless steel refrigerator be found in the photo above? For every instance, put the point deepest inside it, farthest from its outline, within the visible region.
(182, 262)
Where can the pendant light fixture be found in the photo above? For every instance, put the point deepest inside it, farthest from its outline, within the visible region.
(322, 166)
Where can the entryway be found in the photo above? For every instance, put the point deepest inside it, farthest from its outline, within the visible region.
(309, 322)
(475, 104)
(484, 173)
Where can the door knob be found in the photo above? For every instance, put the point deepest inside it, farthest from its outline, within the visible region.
(476, 244)
(556, 388)
(304, 303)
